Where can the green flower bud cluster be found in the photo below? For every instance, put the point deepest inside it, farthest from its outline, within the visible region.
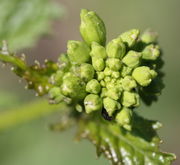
(93, 76)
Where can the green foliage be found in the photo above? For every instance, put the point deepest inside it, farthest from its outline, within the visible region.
(103, 83)
(27, 112)
(138, 147)
(22, 22)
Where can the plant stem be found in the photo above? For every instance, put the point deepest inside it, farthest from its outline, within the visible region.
(36, 76)
(14, 61)
(27, 113)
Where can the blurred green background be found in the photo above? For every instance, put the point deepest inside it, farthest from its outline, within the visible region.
(33, 143)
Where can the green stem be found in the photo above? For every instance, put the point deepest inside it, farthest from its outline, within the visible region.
(27, 113)
(14, 61)
(36, 76)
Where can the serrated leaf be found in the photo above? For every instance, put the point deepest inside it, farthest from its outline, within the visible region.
(22, 22)
(138, 147)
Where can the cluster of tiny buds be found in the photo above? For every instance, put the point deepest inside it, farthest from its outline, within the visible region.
(97, 77)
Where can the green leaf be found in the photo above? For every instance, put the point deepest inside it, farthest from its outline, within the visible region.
(22, 22)
(137, 147)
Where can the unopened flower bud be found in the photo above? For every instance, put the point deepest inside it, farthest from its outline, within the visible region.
(78, 52)
(115, 74)
(130, 99)
(125, 71)
(149, 36)
(55, 95)
(86, 72)
(79, 107)
(116, 48)
(92, 103)
(75, 69)
(57, 77)
(64, 62)
(118, 82)
(103, 84)
(73, 87)
(93, 86)
(143, 75)
(130, 37)
(128, 83)
(103, 92)
(100, 75)
(113, 93)
(68, 75)
(107, 71)
(107, 79)
(110, 85)
(98, 63)
(132, 59)
(151, 52)
(98, 51)
(124, 118)
(111, 105)
(92, 28)
(114, 63)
